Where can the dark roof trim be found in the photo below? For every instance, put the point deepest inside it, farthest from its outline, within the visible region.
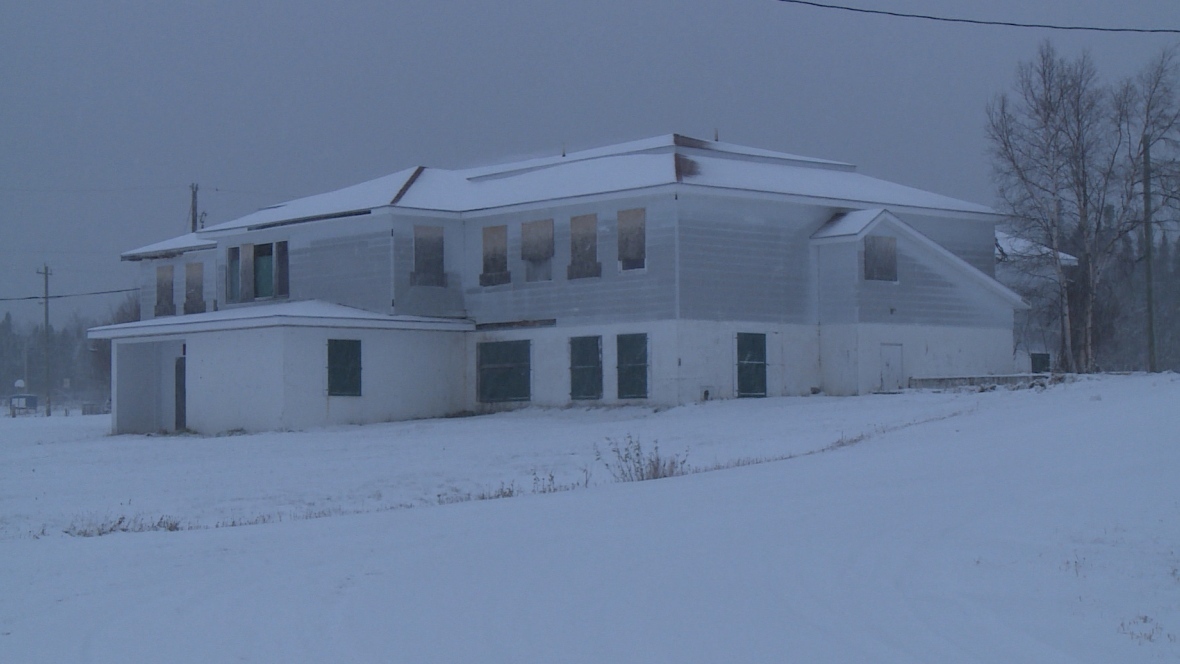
(517, 324)
(409, 183)
(318, 217)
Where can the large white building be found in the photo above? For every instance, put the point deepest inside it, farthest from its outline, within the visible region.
(662, 271)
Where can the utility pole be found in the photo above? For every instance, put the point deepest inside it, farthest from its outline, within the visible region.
(1149, 250)
(193, 208)
(48, 375)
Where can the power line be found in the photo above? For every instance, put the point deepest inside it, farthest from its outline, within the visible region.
(972, 21)
(56, 297)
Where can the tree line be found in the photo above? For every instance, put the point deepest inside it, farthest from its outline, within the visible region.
(1071, 156)
(80, 369)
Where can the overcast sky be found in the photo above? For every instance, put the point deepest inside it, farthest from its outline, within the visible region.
(108, 110)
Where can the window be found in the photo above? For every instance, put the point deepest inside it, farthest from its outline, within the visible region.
(165, 301)
(584, 248)
(632, 239)
(586, 368)
(256, 271)
(880, 258)
(536, 250)
(194, 288)
(751, 365)
(428, 257)
(344, 367)
(632, 366)
(233, 275)
(495, 256)
(503, 371)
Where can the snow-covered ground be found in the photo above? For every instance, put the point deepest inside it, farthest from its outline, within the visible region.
(1015, 526)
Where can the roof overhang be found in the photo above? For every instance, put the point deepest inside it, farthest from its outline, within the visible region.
(310, 313)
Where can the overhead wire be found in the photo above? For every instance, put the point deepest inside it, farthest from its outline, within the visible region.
(973, 21)
(31, 298)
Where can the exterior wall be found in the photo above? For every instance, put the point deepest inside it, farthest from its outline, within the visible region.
(277, 378)
(928, 291)
(708, 358)
(972, 240)
(838, 282)
(405, 374)
(441, 301)
(235, 380)
(550, 363)
(147, 281)
(143, 376)
(930, 351)
(744, 259)
(353, 270)
(616, 296)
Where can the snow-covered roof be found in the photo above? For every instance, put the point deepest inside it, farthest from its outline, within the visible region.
(173, 247)
(664, 160)
(847, 224)
(304, 313)
(1010, 246)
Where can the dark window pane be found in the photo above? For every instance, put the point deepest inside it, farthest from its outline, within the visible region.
(264, 275)
(584, 247)
(165, 301)
(586, 368)
(632, 239)
(503, 371)
(428, 257)
(632, 369)
(233, 281)
(344, 367)
(751, 365)
(194, 288)
(495, 256)
(282, 280)
(536, 249)
(880, 258)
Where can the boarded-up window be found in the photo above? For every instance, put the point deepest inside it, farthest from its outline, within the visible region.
(632, 367)
(495, 256)
(880, 258)
(536, 250)
(428, 257)
(233, 274)
(586, 368)
(503, 371)
(194, 288)
(584, 247)
(344, 367)
(751, 365)
(282, 272)
(165, 300)
(632, 239)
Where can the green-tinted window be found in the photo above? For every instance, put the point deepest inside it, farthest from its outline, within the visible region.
(504, 371)
(632, 366)
(586, 368)
(751, 350)
(344, 367)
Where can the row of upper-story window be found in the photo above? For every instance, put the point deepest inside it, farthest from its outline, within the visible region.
(260, 271)
(536, 250)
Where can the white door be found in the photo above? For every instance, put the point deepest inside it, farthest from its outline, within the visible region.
(892, 373)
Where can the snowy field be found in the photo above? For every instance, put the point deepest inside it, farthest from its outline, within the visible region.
(1014, 526)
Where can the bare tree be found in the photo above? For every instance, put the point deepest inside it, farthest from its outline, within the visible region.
(1066, 155)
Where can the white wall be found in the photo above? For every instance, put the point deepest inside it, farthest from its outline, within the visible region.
(235, 380)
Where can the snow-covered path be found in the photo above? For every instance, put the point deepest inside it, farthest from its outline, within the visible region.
(1032, 527)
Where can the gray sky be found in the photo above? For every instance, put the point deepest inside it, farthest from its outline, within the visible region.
(109, 110)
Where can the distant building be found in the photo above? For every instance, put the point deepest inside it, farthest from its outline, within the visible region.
(662, 271)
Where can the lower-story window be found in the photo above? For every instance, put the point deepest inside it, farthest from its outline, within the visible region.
(632, 366)
(503, 371)
(751, 365)
(586, 367)
(344, 367)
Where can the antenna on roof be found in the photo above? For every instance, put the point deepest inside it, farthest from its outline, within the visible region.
(715, 135)
(563, 148)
